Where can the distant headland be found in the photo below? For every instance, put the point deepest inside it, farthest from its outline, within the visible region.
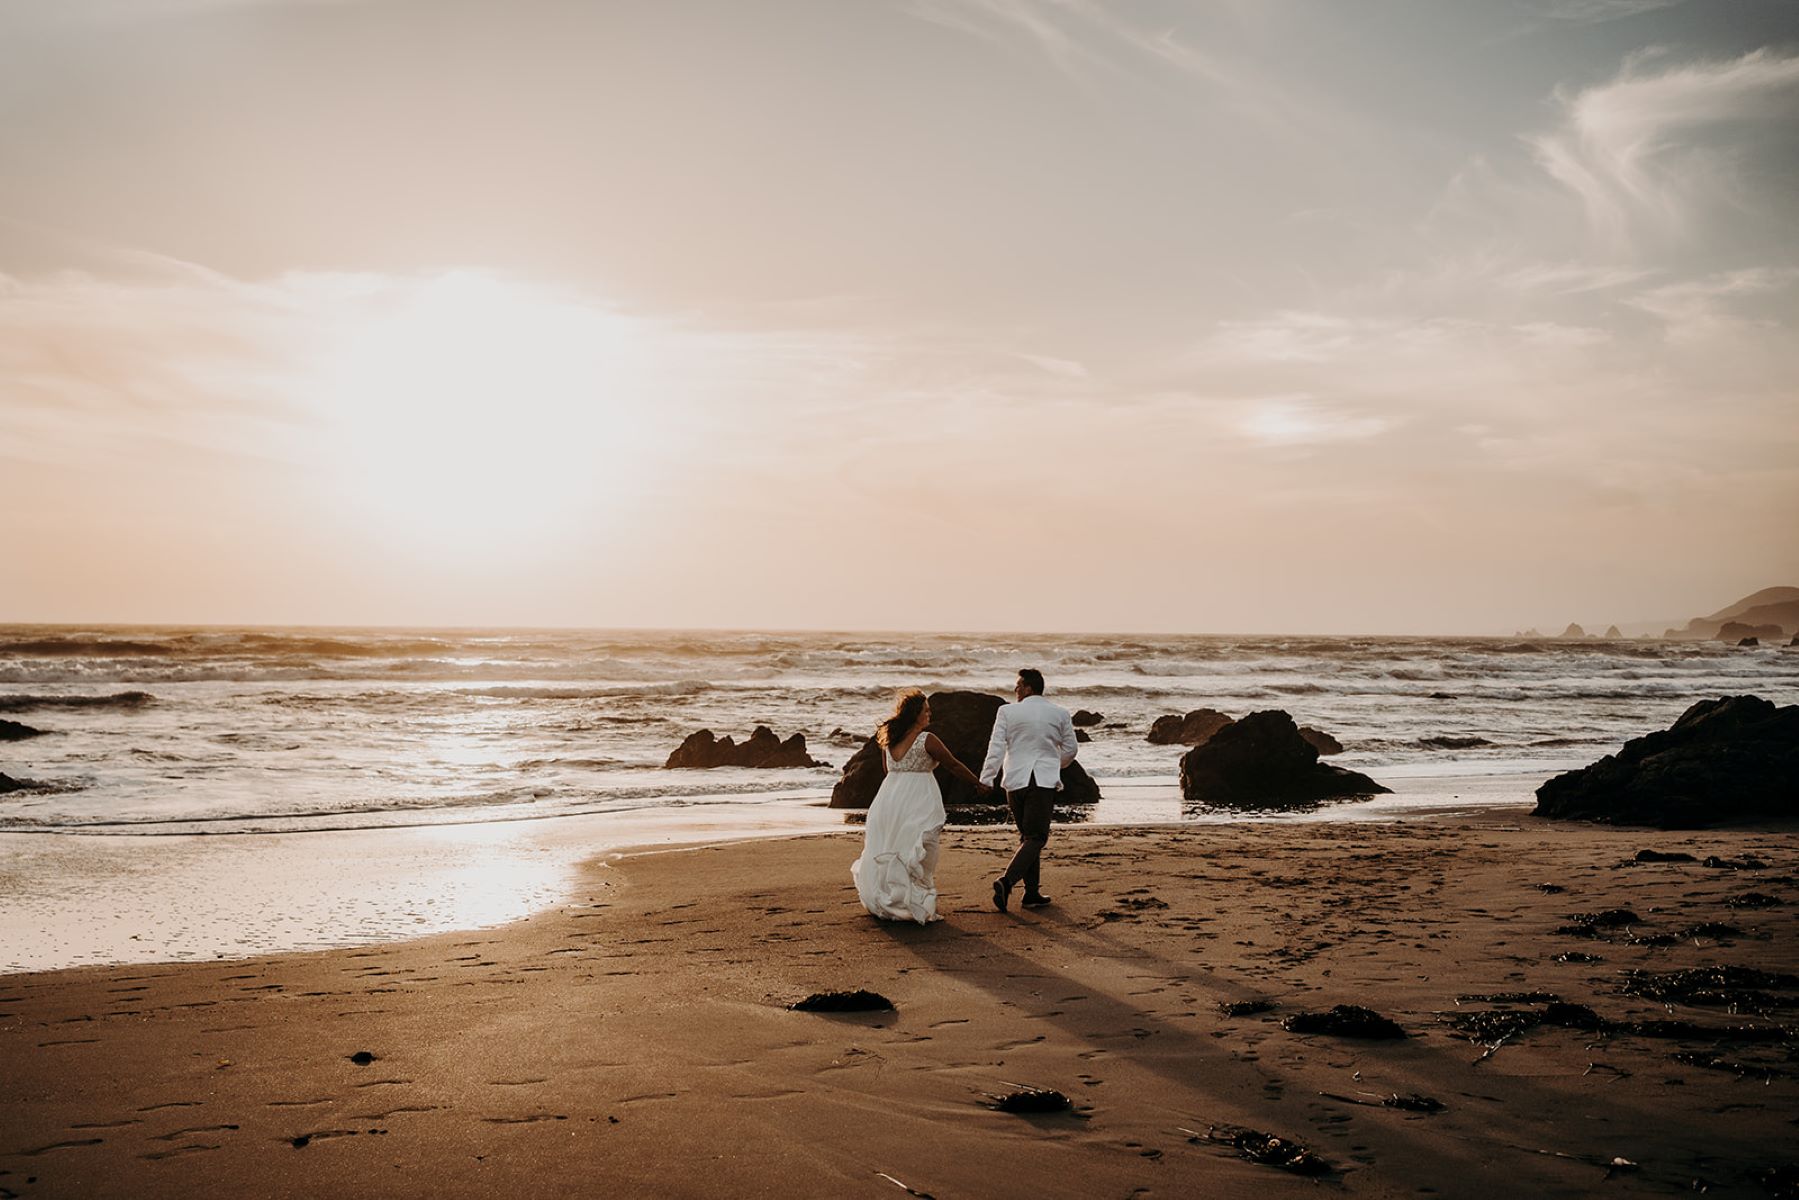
(1770, 615)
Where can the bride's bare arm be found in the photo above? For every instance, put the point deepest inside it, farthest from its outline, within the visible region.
(933, 746)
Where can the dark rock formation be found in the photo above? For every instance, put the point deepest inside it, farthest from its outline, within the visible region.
(1613, 632)
(1731, 759)
(1190, 730)
(1321, 741)
(1795, 641)
(1084, 716)
(1750, 641)
(1263, 762)
(763, 749)
(1082, 736)
(1741, 634)
(9, 784)
(1574, 631)
(13, 731)
(963, 721)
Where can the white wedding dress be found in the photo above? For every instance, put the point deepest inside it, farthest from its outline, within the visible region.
(896, 877)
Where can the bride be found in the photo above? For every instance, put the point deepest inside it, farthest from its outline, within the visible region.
(896, 875)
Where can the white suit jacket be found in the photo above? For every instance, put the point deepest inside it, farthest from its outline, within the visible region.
(1035, 740)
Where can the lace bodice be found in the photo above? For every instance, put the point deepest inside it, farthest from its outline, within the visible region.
(916, 758)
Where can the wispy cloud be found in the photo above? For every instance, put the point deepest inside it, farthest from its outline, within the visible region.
(1093, 42)
(1667, 151)
(1596, 12)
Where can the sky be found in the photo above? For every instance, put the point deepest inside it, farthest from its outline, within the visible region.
(1234, 316)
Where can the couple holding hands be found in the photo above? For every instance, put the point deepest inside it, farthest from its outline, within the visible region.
(1032, 741)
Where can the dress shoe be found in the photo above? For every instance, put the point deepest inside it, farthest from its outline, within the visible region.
(1035, 900)
(1002, 891)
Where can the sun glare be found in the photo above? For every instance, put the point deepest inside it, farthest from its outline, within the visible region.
(466, 408)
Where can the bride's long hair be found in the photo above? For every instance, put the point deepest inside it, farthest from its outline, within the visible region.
(905, 715)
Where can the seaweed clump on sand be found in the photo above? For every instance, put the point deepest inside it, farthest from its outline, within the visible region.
(1266, 1148)
(1589, 924)
(1030, 1101)
(1495, 1025)
(1245, 1008)
(1734, 988)
(1344, 1020)
(859, 1000)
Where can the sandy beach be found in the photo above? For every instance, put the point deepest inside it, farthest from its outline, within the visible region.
(638, 1040)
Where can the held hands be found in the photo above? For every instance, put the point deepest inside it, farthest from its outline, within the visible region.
(983, 789)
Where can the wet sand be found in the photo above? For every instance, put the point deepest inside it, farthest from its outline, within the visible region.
(637, 1040)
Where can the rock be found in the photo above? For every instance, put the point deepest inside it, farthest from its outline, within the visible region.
(362, 1058)
(1748, 635)
(1082, 736)
(1083, 716)
(9, 784)
(1448, 741)
(1663, 856)
(1574, 631)
(963, 721)
(1344, 1020)
(13, 731)
(1190, 730)
(763, 749)
(1613, 632)
(1263, 762)
(1731, 759)
(1321, 741)
(1795, 641)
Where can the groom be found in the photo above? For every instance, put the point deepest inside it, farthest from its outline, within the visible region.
(1035, 740)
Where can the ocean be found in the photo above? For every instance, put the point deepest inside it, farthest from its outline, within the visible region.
(159, 731)
(178, 766)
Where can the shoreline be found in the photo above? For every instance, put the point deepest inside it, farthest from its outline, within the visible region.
(76, 899)
(637, 1039)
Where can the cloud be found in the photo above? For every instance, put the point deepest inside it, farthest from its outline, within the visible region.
(1675, 153)
(1087, 40)
(1597, 12)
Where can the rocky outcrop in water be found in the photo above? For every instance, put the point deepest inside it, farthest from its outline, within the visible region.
(13, 731)
(1731, 759)
(1083, 716)
(963, 721)
(1262, 761)
(1321, 741)
(1740, 633)
(1190, 730)
(763, 749)
(1202, 724)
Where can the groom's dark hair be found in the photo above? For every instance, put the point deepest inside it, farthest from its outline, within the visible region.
(1032, 678)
